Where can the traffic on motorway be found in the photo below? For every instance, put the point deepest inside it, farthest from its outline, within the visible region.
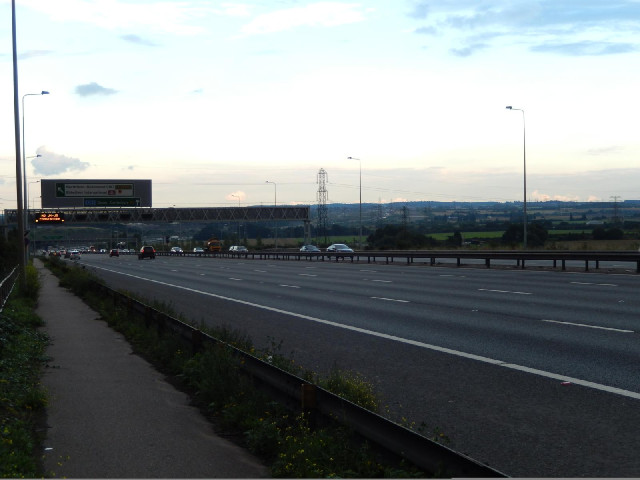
(533, 334)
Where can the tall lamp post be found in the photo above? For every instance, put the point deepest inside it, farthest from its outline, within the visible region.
(26, 188)
(360, 237)
(238, 227)
(24, 162)
(524, 158)
(275, 203)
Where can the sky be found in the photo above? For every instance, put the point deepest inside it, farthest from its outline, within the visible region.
(213, 99)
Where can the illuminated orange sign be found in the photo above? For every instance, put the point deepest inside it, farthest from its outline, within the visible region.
(50, 217)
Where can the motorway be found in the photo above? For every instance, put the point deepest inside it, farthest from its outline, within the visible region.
(532, 372)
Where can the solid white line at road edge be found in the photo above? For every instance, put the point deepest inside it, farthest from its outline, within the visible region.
(470, 356)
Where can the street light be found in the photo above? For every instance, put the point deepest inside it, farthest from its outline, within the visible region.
(31, 183)
(238, 197)
(360, 163)
(24, 162)
(275, 203)
(524, 157)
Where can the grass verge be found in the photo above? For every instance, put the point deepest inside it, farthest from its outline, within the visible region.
(22, 397)
(288, 442)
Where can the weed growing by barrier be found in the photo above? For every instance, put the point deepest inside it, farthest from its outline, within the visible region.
(22, 397)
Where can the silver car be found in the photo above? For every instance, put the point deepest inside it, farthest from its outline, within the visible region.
(339, 248)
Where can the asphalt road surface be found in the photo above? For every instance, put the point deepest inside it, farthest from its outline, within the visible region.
(532, 372)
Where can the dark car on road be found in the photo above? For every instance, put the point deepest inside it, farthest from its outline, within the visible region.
(114, 252)
(147, 252)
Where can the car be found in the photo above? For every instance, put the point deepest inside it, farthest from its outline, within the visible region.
(74, 255)
(147, 252)
(114, 252)
(339, 248)
(238, 249)
(309, 249)
(198, 250)
(175, 250)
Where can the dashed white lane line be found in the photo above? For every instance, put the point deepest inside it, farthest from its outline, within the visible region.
(406, 341)
(290, 286)
(390, 299)
(260, 271)
(598, 284)
(381, 281)
(590, 326)
(503, 291)
(307, 275)
(235, 279)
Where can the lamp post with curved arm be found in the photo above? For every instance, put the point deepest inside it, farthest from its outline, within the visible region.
(24, 162)
(360, 237)
(275, 202)
(238, 226)
(524, 157)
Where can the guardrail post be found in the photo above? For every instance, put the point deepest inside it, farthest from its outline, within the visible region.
(523, 264)
(309, 402)
(197, 339)
(487, 262)
(148, 315)
(597, 264)
(564, 264)
(433, 261)
(586, 265)
(458, 261)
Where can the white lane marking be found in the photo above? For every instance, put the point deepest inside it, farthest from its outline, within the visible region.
(503, 291)
(369, 271)
(590, 326)
(598, 284)
(235, 279)
(390, 299)
(381, 281)
(435, 348)
(290, 286)
(174, 270)
(307, 275)
(202, 274)
(260, 271)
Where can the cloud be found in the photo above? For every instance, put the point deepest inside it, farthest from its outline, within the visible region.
(469, 50)
(426, 31)
(50, 163)
(34, 53)
(543, 197)
(170, 16)
(93, 88)
(237, 196)
(138, 40)
(586, 48)
(612, 150)
(545, 26)
(321, 14)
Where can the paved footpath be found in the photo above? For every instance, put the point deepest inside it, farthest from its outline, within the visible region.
(111, 415)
